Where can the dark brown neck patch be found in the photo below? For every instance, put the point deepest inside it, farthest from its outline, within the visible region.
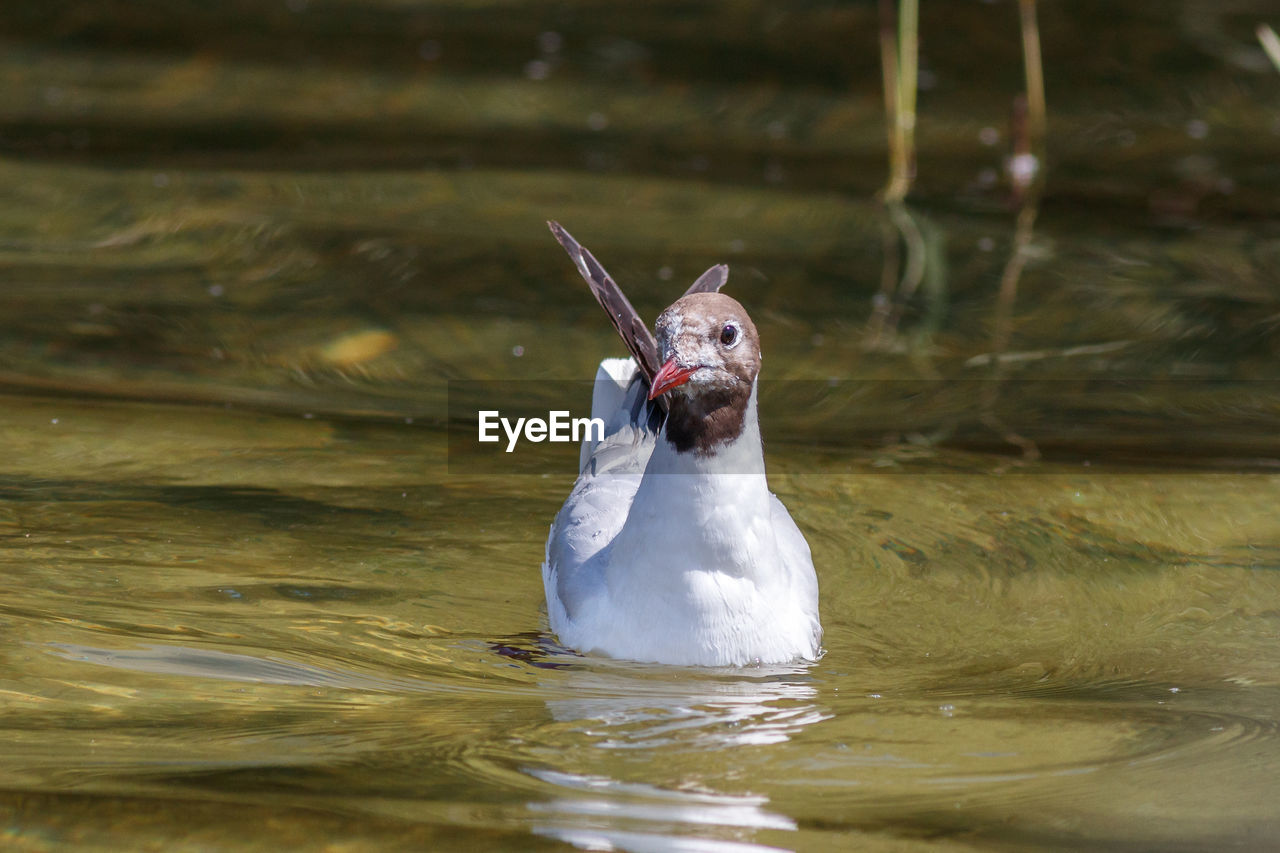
(705, 422)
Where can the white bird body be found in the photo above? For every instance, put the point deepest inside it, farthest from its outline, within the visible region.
(670, 547)
(682, 563)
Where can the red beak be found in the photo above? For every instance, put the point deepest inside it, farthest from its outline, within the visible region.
(670, 376)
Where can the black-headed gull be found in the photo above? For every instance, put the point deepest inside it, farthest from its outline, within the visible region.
(671, 548)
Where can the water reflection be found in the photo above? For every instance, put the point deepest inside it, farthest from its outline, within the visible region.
(655, 711)
(636, 707)
(577, 819)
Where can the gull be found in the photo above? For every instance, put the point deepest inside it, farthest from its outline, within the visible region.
(670, 548)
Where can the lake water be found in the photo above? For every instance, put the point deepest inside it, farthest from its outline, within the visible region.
(253, 598)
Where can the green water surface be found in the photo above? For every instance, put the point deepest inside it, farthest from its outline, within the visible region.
(249, 603)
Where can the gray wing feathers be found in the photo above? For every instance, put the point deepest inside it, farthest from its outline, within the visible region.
(710, 281)
(635, 334)
(611, 473)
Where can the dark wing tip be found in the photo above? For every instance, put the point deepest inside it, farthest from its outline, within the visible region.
(710, 281)
(635, 334)
(562, 237)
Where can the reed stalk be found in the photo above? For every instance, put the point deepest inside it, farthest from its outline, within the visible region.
(899, 63)
(1028, 129)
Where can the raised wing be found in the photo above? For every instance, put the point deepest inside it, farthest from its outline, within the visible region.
(710, 281)
(635, 334)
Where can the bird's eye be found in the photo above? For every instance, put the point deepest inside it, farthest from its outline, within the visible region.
(729, 334)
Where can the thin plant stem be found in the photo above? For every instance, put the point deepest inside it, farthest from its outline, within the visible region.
(908, 67)
(1033, 66)
(1029, 128)
(889, 72)
(899, 62)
